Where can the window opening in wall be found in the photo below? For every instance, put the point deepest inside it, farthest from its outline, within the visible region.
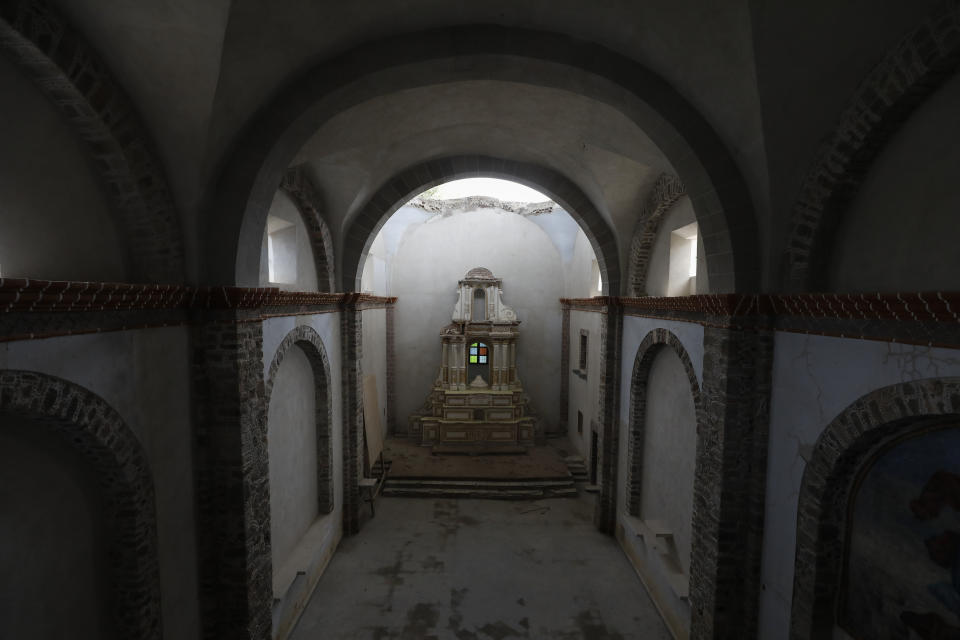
(281, 250)
(583, 352)
(478, 353)
(596, 277)
(682, 276)
(580, 422)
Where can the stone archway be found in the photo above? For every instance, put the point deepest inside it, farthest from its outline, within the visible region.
(90, 426)
(919, 64)
(396, 191)
(80, 85)
(845, 445)
(306, 196)
(234, 224)
(309, 341)
(666, 191)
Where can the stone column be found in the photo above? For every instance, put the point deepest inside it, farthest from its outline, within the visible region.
(730, 484)
(608, 401)
(233, 519)
(351, 349)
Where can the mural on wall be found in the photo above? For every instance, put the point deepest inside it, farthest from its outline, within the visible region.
(902, 577)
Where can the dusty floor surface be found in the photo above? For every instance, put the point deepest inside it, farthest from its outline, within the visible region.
(480, 570)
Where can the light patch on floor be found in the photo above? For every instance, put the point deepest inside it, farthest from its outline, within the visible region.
(480, 570)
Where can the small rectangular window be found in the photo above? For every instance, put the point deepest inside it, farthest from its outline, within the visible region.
(580, 422)
(583, 351)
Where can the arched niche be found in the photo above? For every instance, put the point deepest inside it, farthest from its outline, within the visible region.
(259, 157)
(841, 459)
(101, 448)
(299, 434)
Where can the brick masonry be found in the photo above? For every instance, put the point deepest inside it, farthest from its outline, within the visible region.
(307, 197)
(351, 342)
(608, 416)
(236, 572)
(849, 443)
(79, 84)
(310, 343)
(89, 425)
(662, 196)
(655, 341)
(918, 65)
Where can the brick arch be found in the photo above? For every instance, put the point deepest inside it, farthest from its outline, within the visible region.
(309, 342)
(919, 64)
(110, 449)
(78, 82)
(254, 165)
(396, 191)
(654, 342)
(666, 191)
(306, 196)
(849, 441)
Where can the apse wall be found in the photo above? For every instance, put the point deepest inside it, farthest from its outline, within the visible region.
(56, 218)
(425, 259)
(900, 233)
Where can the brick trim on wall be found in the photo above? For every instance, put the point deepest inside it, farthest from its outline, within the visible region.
(926, 318)
(843, 449)
(309, 342)
(70, 73)
(306, 197)
(665, 193)
(651, 345)
(88, 425)
(919, 64)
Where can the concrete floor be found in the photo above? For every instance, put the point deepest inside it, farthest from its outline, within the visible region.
(480, 570)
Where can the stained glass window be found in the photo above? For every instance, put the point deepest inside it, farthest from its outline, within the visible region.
(478, 353)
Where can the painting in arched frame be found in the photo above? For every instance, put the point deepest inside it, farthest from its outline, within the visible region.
(902, 564)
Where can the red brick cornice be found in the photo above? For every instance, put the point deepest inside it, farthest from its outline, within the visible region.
(27, 295)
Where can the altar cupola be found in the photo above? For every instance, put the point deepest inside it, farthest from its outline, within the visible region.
(481, 299)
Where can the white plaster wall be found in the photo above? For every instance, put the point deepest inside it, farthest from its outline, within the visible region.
(658, 269)
(814, 379)
(55, 216)
(292, 451)
(669, 451)
(433, 256)
(145, 376)
(282, 207)
(900, 232)
(580, 281)
(374, 357)
(54, 570)
(584, 394)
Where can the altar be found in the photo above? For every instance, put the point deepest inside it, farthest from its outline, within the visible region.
(477, 399)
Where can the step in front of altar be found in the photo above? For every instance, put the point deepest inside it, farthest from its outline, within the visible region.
(507, 489)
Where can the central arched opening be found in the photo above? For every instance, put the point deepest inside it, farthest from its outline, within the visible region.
(535, 253)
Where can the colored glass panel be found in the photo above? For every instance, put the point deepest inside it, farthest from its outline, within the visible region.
(473, 359)
(473, 351)
(483, 359)
(483, 351)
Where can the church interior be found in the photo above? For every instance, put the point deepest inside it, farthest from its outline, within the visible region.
(694, 372)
